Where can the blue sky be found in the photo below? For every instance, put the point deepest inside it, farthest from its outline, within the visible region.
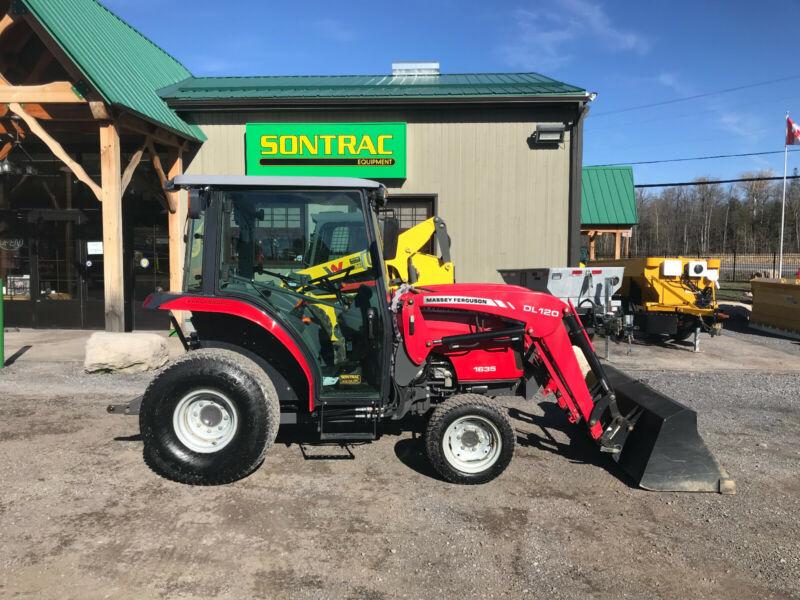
(630, 53)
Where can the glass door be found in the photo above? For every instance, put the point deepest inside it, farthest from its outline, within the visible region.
(149, 273)
(56, 261)
(15, 269)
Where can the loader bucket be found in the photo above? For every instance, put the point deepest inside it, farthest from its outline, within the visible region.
(664, 451)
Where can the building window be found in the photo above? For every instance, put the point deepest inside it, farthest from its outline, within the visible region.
(410, 211)
(281, 217)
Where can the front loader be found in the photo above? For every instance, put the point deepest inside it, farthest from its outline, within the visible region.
(261, 353)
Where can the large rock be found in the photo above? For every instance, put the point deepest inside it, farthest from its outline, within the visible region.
(125, 352)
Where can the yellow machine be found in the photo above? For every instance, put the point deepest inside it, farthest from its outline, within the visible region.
(670, 297)
(409, 264)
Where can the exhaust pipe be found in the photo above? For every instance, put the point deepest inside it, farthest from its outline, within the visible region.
(663, 451)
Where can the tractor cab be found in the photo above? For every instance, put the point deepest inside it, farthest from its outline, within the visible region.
(305, 251)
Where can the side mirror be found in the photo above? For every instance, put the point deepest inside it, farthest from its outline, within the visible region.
(379, 197)
(197, 203)
(391, 230)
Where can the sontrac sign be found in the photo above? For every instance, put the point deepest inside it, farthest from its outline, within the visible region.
(372, 150)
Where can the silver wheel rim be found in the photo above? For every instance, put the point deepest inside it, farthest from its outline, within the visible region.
(205, 421)
(472, 444)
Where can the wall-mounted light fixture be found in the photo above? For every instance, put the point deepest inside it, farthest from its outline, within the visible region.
(7, 167)
(548, 133)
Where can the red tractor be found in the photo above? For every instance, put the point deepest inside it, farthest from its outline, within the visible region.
(346, 351)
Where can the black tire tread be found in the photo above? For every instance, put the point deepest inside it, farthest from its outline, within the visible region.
(435, 424)
(198, 358)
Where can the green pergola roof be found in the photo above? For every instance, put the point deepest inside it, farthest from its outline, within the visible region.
(607, 196)
(124, 66)
(449, 85)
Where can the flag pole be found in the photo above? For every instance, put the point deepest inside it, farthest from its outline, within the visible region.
(783, 201)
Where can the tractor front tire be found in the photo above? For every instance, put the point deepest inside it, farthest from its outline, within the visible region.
(209, 418)
(469, 439)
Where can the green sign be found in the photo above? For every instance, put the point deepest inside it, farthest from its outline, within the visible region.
(371, 150)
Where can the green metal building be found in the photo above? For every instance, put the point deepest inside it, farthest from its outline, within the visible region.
(608, 207)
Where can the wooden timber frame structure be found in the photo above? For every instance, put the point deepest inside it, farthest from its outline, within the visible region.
(43, 94)
(622, 236)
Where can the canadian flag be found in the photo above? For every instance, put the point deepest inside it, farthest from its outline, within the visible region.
(792, 132)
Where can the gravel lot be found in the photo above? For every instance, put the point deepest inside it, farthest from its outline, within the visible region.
(82, 517)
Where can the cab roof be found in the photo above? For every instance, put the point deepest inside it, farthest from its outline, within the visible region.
(262, 181)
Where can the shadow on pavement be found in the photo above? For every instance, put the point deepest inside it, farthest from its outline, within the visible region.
(411, 452)
(580, 449)
(14, 357)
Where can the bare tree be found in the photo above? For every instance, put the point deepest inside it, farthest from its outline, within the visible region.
(711, 217)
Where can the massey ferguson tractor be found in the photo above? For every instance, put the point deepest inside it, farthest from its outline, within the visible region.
(342, 350)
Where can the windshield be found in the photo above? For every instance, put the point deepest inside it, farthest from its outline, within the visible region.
(306, 256)
(285, 237)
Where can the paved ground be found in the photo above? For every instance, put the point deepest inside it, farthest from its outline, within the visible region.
(82, 517)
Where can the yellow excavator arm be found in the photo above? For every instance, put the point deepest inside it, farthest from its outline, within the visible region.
(409, 264)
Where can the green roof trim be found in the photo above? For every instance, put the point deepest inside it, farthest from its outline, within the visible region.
(411, 87)
(124, 66)
(607, 196)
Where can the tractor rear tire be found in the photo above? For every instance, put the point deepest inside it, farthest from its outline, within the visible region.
(209, 418)
(469, 439)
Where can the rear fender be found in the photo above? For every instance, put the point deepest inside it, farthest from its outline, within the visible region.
(238, 309)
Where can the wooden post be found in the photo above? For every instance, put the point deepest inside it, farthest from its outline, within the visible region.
(592, 238)
(176, 223)
(617, 244)
(628, 246)
(113, 273)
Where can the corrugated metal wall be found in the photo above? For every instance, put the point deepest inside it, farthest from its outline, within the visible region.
(506, 205)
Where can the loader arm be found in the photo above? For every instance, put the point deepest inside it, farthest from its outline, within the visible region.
(651, 436)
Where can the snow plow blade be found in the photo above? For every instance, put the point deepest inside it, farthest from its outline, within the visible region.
(664, 452)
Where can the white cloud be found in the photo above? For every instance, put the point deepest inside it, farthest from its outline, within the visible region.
(334, 30)
(545, 34)
(674, 82)
(741, 124)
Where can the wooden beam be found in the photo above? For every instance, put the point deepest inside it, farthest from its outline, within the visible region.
(20, 132)
(595, 230)
(56, 92)
(110, 168)
(176, 221)
(74, 113)
(50, 194)
(618, 245)
(6, 150)
(44, 60)
(155, 159)
(127, 175)
(6, 22)
(100, 111)
(132, 123)
(56, 148)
